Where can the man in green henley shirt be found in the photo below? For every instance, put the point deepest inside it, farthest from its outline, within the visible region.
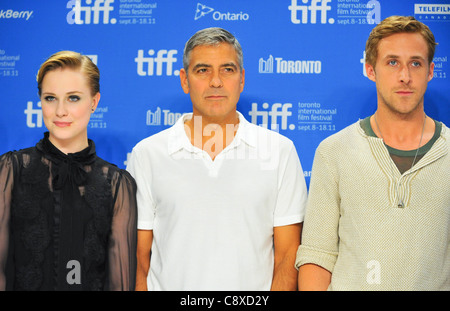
(378, 212)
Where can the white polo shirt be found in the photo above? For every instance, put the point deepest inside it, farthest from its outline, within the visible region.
(213, 221)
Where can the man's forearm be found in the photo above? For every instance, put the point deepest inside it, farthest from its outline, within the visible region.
(285, 275)
(313, 278)
(141, 279)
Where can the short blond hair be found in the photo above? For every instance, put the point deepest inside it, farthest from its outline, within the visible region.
(73, 60)
(393, 25)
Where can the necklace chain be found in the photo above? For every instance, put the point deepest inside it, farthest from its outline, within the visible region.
(400, 201)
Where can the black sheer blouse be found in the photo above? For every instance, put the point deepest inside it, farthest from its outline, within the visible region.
(67, 222)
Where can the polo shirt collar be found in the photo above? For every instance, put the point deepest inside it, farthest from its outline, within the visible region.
(178, 139)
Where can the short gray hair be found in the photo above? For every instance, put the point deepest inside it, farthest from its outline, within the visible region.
(212, 36)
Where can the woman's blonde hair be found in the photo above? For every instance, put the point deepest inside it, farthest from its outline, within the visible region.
(73, 60)
(393, 25)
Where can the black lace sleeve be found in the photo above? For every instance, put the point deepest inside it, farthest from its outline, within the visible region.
(123, 239)
(6, 185)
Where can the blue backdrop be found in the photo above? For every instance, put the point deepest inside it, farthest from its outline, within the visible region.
(304, 62)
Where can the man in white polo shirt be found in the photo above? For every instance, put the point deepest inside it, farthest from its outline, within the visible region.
(220, 200)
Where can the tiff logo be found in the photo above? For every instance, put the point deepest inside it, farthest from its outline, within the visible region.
(277, 110)
(31, 112)
(162, 57)
(84, 14)
(315, 6)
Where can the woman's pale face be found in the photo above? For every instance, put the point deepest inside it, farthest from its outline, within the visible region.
(67, 104)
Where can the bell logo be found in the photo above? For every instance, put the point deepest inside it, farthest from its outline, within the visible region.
(277, 110)
(85, 14)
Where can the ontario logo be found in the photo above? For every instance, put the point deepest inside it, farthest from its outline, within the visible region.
(204, 10)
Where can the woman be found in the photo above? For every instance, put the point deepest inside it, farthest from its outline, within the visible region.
(67, 217)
